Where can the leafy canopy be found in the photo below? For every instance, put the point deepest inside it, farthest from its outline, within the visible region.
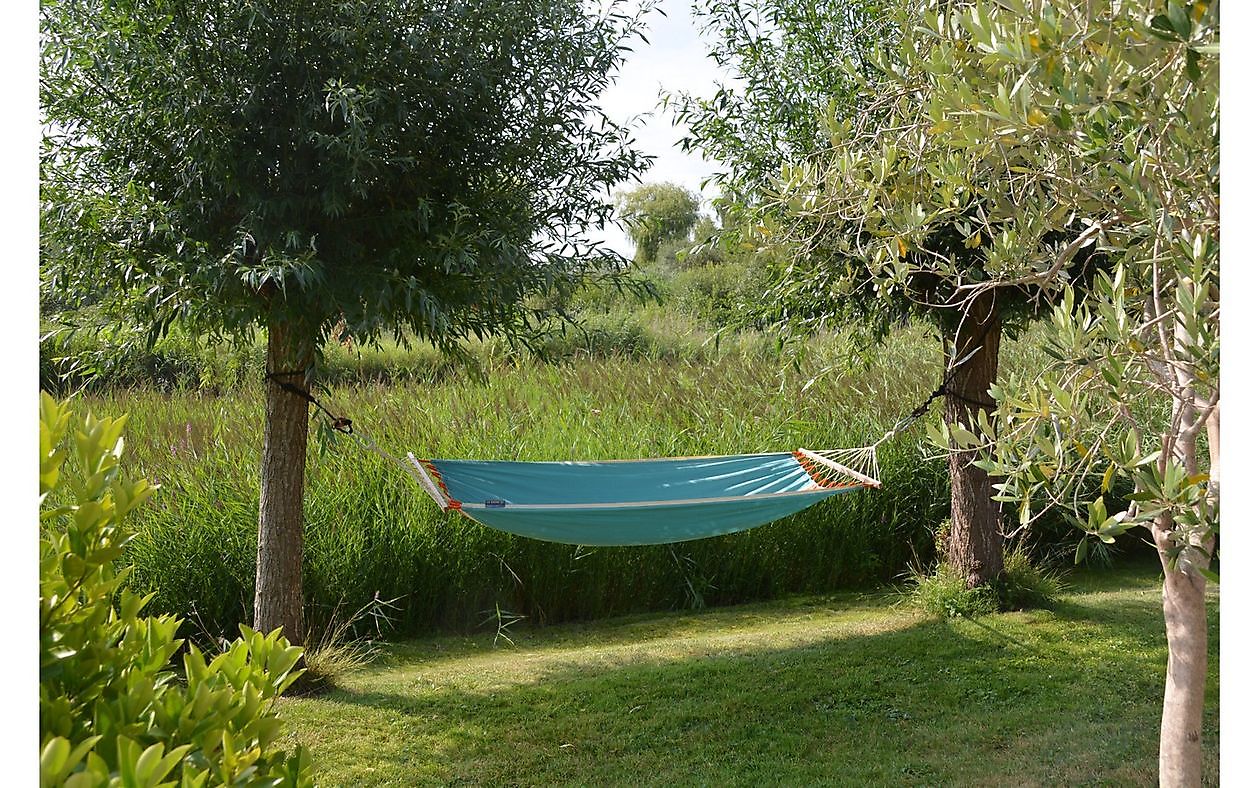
(654, 213)
(1109, 113)
(823, 148)
(427, 166)
(908, 207)
(793, 61)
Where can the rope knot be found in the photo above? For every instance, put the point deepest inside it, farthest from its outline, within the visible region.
(339, 423)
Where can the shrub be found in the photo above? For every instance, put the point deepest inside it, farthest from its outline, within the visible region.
(722, 294)
(1022, 584)
(112, 709)
(77, 353)
(944, 593)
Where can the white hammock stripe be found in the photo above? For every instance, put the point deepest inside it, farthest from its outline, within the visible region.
(634, 504)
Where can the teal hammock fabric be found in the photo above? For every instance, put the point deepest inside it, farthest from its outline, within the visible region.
(630, 502)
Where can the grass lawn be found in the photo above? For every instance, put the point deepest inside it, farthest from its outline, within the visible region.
(851, 689)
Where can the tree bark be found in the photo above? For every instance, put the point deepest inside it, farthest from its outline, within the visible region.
(278, 586)
(1185, 621)
(975, 539)
(1185, 613)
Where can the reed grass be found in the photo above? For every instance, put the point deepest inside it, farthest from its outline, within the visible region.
(370, 531)
(672, 389)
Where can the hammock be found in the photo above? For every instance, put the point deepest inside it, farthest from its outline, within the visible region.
(640, 502)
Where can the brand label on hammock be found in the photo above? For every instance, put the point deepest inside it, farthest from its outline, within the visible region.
(495, 503)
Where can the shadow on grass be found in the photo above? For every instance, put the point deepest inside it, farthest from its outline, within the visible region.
(997, 701)
(635, 628)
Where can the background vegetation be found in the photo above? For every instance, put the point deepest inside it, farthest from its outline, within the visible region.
(678, 377)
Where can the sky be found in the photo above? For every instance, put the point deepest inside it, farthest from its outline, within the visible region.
(673, 60)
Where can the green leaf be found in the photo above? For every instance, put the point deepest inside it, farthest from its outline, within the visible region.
(53, 759)
(1192, 65)
(1179, 19)
(1082, 550)
(1162, 27)
(103, 636)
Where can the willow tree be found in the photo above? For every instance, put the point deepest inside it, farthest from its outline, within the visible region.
(426, 169)
(821, 164)
(655, 213)
(1037, 131)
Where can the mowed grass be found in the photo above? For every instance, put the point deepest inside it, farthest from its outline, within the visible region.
(852, 689)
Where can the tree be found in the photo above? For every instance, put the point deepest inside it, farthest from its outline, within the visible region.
(1041, 131)
(793, 60)
(1115, 110)
(654, 213)
(820, 169)
(421, 169)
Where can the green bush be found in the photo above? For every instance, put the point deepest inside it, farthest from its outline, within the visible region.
(944, 593)
(723, 294)
(112, 709)
(1022, 584)
(75, 354)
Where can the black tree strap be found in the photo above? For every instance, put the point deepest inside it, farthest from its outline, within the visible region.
(338, 423)
(941, 390)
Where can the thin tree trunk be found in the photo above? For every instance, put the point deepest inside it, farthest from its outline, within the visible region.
(278, 587)
(1185, 619)
(975, 539)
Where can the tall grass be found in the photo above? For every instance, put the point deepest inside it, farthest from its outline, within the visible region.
(632, 382)
(370, 531)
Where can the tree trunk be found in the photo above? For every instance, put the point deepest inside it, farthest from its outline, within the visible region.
(1185, 614)
(975, 539)
(278, 588)
(1185, 621)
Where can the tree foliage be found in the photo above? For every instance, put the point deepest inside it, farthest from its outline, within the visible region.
(381, 165)
(1036, 132)
(792, 61)
(655, 213)
(112, 709)
(1113, 119)
(360, 167)
(825, 170)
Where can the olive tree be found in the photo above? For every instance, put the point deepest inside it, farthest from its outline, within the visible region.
(823, 157)
(1041, 131)
(1118, 106)
(426, 169)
